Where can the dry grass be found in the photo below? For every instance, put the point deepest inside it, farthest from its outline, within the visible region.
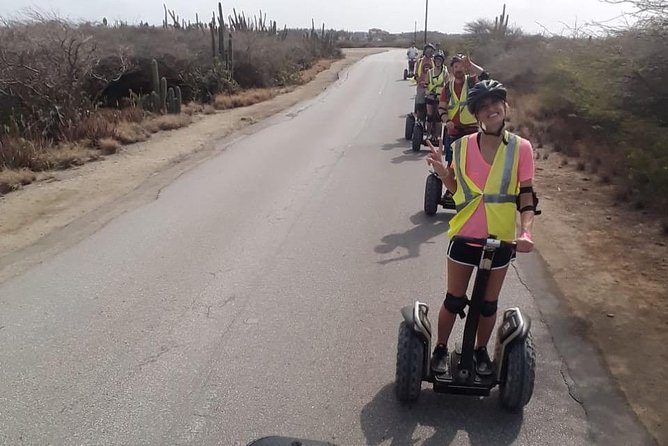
(130, 133)
(108, 146)
(318, 67)
(96, 126)
(67, 155)
(209, 109)
(256, 95)
(166, 122)
(13, 179)
(192, 108)
(18, 153)
(244, 98)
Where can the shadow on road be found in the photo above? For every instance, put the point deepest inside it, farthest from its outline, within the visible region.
(409, 155)
(482, 419)
(425, 229)
(400, 143)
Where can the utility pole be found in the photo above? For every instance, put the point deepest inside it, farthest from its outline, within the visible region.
(426, 16)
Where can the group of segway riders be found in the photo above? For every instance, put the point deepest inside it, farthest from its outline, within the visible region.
(488, 175)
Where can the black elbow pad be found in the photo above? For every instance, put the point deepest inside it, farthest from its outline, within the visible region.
(535, 207)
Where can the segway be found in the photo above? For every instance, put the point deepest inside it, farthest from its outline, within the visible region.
(433, 195)
(420, 134)
(514, 355)
(410, 125)
(410, 71)
(417, 138)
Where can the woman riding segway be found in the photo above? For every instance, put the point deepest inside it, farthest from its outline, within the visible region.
(490, 170)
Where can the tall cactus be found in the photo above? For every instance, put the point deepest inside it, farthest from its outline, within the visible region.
(163, 93)
(212, 28)
(230, 45)
(170, 100)
(221, 32)
(155, 75)
(178, 100)
(155, 102)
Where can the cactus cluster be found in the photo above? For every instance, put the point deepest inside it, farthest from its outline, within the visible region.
(326, 38)
(221, 34)
(239, 22)
(217, 27)
(162, 99)
(501, 23)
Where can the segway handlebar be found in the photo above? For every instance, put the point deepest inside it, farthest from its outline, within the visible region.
(487, 242)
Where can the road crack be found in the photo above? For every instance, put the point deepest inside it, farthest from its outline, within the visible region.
(563, 370)
(154, 358)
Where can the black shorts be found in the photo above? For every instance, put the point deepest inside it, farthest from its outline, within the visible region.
(466, 254)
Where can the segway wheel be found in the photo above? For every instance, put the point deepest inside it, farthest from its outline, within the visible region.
(405, 74)
(410, 123)
(518, 374)
(410, 364)
(432, 194)
(418, 133)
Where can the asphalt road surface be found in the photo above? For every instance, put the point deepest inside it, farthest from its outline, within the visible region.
(259, 294)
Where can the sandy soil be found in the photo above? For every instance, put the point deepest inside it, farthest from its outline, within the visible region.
(611, 263)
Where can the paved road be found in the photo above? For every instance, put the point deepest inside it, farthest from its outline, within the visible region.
(259, 294)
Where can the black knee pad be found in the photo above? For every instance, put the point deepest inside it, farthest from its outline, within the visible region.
(489, 308)
(456, 305)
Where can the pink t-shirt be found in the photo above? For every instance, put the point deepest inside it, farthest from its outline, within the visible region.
(477, 170)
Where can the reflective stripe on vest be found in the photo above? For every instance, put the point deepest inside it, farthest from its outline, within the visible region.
(435, 84)
(500, 192)
(458, 104)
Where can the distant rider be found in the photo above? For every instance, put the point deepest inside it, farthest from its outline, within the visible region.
(425, 63)
(412, 55)
(436, 79)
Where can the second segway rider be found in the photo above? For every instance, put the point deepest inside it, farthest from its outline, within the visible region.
(492, 168)
(436, 79)
(425, 63)
(464, 74)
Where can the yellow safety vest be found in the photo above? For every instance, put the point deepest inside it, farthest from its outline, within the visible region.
(458, 104)
(436, 83)
(500, 193)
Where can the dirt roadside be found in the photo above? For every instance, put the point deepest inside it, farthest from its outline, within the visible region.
(30, 217)
(611, 264)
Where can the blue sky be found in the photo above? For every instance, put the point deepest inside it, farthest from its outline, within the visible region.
(359, 15)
